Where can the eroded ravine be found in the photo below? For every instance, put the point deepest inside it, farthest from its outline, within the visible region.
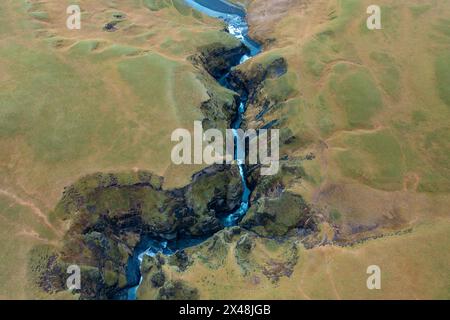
(119, 224)
(115, 221)
(235, 19)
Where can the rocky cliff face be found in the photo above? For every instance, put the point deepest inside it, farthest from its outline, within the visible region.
(276, 212)
(109, 214)
(218, 59)
(250, 81)
(247, 81)
(214, 62)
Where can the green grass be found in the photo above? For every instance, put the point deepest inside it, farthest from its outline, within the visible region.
(280, 215)
(328, 44)
(316, 55)
(57, 120)
(443, 25)
(443, 76)
(181, 7)
(40, 15)
(358, 95)
(84, 47)
(389, 73)
(115, 51)
(18, 222)
(281, 88)
(375, 159)
(163, 84)
(438, 145)
(347, 11)
(103, 104)
(191, 41)
(419, 10)
(335, 215)
(156, 5)
(326, 121)
(418, 117)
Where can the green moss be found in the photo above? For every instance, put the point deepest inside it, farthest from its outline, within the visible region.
(213, 252)
(277, 216)
(177, 290)
(222, 185)
(38, 258)
(112, 193)
(45, 270)
(111, 278)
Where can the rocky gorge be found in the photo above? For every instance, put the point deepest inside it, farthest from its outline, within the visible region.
(114, 218)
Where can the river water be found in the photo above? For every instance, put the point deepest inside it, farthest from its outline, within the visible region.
(235, 19)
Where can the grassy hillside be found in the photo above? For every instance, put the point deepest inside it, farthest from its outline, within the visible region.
(372, 108)
(75, 102)
(364, 117)
(371, 105)
(413, 266)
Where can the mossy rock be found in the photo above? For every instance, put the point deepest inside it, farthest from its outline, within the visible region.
(177, 290)
(278, 216)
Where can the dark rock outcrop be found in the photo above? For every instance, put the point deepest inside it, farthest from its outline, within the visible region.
(248, 82)
(177, 290)
(277, 216)
(109, 214)
(180, 259)
(276, 212)
(214, 61)
(218, 59)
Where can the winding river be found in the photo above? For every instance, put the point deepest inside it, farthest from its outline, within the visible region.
(235, 18)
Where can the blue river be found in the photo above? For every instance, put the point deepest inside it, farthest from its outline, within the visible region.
(235, 18)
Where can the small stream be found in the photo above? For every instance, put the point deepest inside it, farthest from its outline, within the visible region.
(235, 18)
